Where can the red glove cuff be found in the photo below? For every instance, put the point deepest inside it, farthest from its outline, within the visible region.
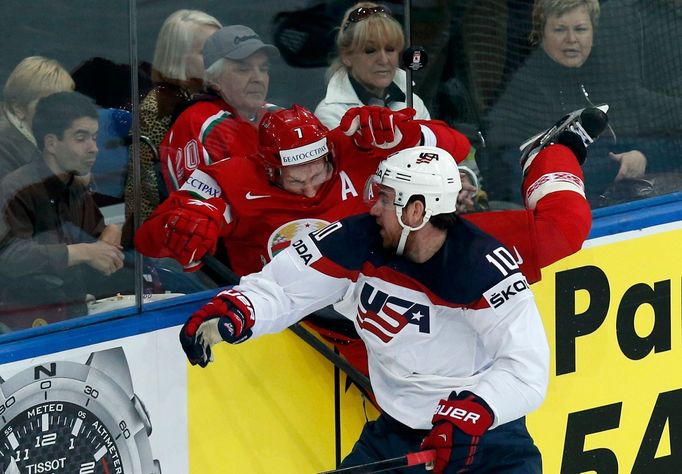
(242, 311)
(230, 304)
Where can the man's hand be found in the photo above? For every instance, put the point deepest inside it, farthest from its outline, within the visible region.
(458, 424)
(227, 317)
(112, 235)
(632, 164)
(381, 127)
(100, 255)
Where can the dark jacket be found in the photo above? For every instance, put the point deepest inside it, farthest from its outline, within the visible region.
(542, 91)
(41, 215)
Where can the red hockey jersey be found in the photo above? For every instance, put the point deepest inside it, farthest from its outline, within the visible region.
(206, 132)
(262, 219)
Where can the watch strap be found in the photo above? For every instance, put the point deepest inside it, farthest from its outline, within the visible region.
(113, 363)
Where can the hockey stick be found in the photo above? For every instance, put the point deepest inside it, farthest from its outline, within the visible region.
(356, 376)
(410, 459)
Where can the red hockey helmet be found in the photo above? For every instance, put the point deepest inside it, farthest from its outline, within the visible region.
(290, 137)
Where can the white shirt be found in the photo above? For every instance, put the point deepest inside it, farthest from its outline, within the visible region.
(341, 96)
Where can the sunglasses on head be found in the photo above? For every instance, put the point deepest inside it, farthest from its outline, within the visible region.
(363, 13)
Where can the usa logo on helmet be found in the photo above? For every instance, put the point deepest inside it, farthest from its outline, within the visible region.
(426, 158)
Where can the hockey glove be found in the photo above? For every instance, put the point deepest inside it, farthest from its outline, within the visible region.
(182, 227)
(192, 230)
(458, 425)
(381, 127)
(227, 317)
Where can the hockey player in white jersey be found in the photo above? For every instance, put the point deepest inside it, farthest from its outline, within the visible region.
(457, 351)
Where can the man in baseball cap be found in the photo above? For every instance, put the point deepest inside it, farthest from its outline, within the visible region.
(235, 42)
(237, 66)
(221, 123)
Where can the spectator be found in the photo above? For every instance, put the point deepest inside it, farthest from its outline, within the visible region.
(32, 79)
(54, 245)
(564, 74)
(177, 74)
(365, 71)
(455, 366)
(222, 123)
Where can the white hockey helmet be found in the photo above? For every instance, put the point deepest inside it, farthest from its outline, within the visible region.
(425, 171)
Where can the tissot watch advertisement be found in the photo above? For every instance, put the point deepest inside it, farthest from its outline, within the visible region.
(118, 407)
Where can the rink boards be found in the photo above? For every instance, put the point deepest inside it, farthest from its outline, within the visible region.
(613, 316)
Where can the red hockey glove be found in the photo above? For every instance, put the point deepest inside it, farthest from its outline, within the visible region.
(381, 127)
(192, 230)
(227, 317)
(458, 425)
(183, 228)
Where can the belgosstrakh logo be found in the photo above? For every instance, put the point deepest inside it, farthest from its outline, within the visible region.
(251, 196)
(203, 187)
(200, 183)
(303, 154)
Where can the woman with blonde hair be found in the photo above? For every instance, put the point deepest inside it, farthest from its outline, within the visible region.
(365, 72)
(177, 73)
(32, 79)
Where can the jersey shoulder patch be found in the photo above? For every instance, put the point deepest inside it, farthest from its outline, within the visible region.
(346, 243)
(202, 185)
(503, 296)
(474, 263)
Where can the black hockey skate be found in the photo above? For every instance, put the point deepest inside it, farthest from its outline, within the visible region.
(576, 130)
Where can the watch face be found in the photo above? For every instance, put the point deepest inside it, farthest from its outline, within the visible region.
(58, 437)
(66, 417)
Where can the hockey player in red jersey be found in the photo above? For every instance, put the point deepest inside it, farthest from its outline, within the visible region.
(222, 122)
(313, 177)
(303, 178)
(256, 213)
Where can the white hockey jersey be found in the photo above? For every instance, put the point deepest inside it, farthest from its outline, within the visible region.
(464, 320)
